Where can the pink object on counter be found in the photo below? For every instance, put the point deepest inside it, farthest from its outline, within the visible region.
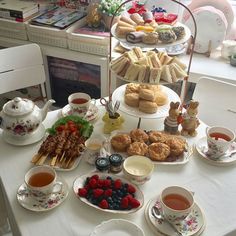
(211, 26)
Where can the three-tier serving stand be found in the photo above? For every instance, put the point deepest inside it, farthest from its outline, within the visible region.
(189, 51)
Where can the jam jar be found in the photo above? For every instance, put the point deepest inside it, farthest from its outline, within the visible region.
(115, 163)
(102, 164)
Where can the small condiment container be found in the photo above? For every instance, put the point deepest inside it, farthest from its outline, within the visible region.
(115, 163)
(102, 164)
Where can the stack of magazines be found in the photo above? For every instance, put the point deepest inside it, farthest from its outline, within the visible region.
(58, 17)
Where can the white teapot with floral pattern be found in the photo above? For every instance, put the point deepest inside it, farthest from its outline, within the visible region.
(21, 121)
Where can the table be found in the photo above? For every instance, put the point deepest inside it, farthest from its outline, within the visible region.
(214, 189)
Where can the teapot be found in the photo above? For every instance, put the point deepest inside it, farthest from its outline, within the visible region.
(21, 119)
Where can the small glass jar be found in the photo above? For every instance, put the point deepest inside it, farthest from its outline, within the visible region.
(115, 163)
(102, 164)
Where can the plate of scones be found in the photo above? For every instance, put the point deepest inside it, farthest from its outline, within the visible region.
(145, 101)
(160, 147)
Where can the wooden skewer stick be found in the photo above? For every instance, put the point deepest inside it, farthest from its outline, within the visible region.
(68, 162)
(36, 157)
(53, 161)
(62, 156)
(42, 159)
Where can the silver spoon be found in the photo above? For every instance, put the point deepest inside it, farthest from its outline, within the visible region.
(158, 215)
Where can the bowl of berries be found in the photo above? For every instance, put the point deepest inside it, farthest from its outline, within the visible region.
(109, 193)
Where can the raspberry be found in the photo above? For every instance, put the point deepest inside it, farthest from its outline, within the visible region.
(131, 189)
(100, 183)
(108, 192)
(129, 196)
(93, 183)
(134, 203)
(103, 204)
(82, 192)
(98, 192)
(94, 177)
(107, 183)
(124, 203)
(117, 184)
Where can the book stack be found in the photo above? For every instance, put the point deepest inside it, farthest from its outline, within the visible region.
(18, 10)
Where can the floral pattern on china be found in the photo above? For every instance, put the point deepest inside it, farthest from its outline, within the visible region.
(20, 116)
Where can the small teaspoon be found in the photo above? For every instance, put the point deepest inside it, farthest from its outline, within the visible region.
(158, 215)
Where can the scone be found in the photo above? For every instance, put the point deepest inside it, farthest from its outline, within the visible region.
(147, 106)
(157, 136)
(158, 151)
(132, 99)
(161, 98)
(132, 88)
(137, 148)
(147, 94)
(120, 142)
(138, 135)
(177, 146)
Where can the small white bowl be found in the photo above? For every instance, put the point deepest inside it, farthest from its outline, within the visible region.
(138, 169)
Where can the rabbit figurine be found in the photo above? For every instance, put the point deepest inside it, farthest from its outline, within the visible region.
(190, 121)
(171, 123)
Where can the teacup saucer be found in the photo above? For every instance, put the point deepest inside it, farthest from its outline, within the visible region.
(91, 114)
(36, 136)
(201, 147)
(40, 204)
(193, 225)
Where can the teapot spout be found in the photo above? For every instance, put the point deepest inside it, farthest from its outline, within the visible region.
(44, 110)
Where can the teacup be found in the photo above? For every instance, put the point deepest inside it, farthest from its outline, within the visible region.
(93, 147)
(219, 140)
(42, 181)
(176, 202)
(80, 103)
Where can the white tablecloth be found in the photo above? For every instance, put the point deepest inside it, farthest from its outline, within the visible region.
(214, 187)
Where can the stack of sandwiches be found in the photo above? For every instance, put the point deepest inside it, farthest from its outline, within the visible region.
(149, 67)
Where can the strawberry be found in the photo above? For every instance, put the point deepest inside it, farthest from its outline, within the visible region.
(108, 192)
(131, 189)
(117, 184)
(100, 183)
(95, 177)
(103, 204)
(93, 183)
(98, 192)
(82, 192)
(124, 203)
(134, 203)
(107, 183)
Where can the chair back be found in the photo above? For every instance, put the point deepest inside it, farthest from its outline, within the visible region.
(217, 106)
(21, 67)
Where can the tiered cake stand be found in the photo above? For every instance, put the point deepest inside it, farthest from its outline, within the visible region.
(118, 94)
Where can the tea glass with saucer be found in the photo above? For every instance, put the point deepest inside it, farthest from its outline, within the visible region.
(193, 225)
(41, 181)
(176, 202)
(219, 140)
(80, 103)
(42, 198)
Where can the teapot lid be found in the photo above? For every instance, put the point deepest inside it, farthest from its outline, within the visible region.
(18, 106)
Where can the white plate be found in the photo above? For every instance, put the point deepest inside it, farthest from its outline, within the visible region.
(28, 139)
(201, 147)
(222, 5)
(146, 46)
(170, 50)
(91, 115)
(183, 159)
(27, 201)
(214, 32)
(117, 227)
(162, 111)
(193, 225)
(79, 183)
